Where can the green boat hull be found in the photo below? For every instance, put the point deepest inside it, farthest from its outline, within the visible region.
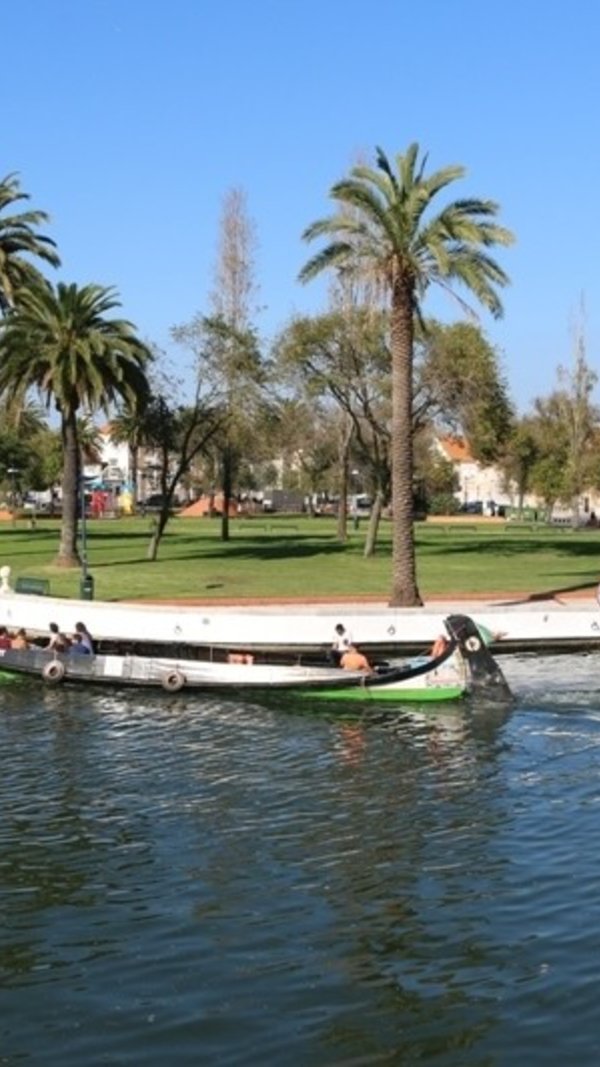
(357, 694)
(6, 677)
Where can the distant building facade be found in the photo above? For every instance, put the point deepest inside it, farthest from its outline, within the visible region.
(478, 483)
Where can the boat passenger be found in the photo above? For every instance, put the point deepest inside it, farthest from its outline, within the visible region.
(439, 646)
(85, 637)
(20, 641)
(78, 646)
(342, 641)
(240, 657)
(58, 641)
(353, 660)
(4, 638)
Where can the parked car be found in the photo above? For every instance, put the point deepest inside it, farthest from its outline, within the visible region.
(154, 502)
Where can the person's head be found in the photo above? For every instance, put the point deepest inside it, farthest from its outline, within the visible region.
(3, 631)
(80, 628)
(53, 627)
(340, 629)
(21, 633)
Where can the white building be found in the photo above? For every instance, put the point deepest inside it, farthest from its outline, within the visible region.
(476, 482)
(115, 466)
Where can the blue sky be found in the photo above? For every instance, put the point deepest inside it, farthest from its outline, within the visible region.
(129, 120)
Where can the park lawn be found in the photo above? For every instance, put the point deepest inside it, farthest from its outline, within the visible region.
(279, 556)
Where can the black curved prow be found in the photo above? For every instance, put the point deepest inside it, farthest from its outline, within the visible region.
(485, 677)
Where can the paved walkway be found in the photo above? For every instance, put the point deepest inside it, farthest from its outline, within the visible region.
(576, 595)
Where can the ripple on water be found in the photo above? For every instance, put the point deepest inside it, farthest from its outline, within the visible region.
(196, 881)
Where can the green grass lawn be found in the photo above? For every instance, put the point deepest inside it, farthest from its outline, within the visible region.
(300, 557)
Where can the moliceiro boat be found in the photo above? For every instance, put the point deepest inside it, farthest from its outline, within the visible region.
(464, 667)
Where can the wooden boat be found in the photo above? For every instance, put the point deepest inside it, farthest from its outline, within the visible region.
(466, 666)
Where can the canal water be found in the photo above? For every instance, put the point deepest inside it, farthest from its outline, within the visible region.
(187, 881)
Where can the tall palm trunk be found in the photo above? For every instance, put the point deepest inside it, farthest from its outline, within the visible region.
(404, 580)
(68, 556)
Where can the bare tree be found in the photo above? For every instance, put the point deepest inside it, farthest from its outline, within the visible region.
(580, 416)
(235, 287)
(225, 345)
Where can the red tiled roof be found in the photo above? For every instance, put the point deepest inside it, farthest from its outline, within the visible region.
(456, 448)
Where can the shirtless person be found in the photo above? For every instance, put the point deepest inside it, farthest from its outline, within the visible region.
(20, 641)
(353, 660)
(58, 642)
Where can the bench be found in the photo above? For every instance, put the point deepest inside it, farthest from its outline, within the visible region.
(35, 586)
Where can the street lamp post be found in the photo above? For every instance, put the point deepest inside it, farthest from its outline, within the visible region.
(84, 570)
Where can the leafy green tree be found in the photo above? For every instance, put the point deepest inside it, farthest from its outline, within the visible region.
(580, 417)
(459, 383)
(560, 438)
(382, 234)
(176, 434)
(61, 342)
(20, 241)
(229, 363)
(24, 444)
(521, 454)
(435, 477)
(45, 468)
(344, 356)
(15, 455)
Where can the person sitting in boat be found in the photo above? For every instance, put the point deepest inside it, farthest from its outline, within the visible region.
(439, 646)
(240, 657)
(85, 637)
(20, 641)
(78, 646)
(342, 642)
(58, 641)
(5, 641)
(353, 660)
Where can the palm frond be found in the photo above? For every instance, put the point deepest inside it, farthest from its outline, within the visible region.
(330, 256)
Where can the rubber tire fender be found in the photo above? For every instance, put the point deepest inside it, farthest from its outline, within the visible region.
(53, 672)
(172, 681)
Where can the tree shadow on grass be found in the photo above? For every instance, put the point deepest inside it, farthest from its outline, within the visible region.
(230, 553)
(573, 548)
(551, 594)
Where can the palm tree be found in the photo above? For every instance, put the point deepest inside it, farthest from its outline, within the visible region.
(382, 235)
(18, 239)
(61, 343)
(130, 427)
